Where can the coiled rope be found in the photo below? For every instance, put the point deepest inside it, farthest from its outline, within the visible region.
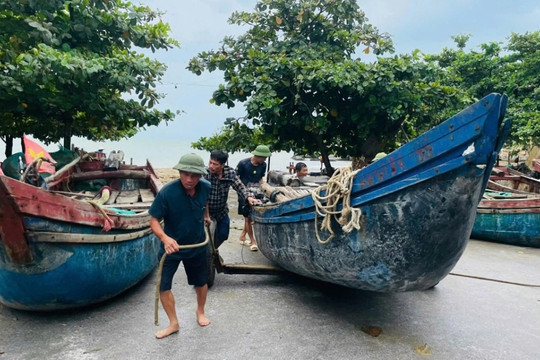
(160, 271)
(336, 191)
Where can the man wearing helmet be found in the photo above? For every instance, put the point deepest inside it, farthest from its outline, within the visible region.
(182, 205)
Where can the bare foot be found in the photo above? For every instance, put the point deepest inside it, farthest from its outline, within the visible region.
(169, 330)
(202, 319)
(242, 239)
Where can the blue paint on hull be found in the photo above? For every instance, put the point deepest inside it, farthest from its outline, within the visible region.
(73, 275)
(418, 207)
(521, 229)
(408, 240)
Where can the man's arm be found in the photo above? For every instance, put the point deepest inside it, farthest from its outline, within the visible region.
(170, 245)
(207, 220)
(243, 191)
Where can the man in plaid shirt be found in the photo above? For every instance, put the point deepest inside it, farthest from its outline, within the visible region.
(222, 177)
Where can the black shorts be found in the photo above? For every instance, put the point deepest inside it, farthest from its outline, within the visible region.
(244, 208)
(196, 269)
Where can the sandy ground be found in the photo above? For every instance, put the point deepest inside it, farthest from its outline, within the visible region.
(166, 174)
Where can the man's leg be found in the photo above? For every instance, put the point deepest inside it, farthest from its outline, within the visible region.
(249, 228)
(244, 231)
(201, 291)
(167, 300)
(222, 231)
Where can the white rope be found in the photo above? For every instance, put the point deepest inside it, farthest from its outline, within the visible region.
(337, 190)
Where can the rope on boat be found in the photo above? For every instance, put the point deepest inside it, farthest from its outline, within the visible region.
(336, 191)
(108, 221)
(34, 166)
(160, 271)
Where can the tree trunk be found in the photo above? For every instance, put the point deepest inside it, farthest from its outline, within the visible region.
(9, 146)
(325, 157)
(67, 131)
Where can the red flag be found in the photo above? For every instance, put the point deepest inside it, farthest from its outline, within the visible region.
(32, 150)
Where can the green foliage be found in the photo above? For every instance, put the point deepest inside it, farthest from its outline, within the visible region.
(68, 68)
(512, 69)
(294, 70)
(235, 136)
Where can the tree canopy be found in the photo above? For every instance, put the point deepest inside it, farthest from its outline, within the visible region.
(297, 71)
(68, 68)
(513, 69)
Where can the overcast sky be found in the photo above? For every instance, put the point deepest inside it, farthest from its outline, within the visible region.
(413, 24)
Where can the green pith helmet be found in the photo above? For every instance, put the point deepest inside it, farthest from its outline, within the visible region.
(262, 150)
(379, 156)
(192, 163)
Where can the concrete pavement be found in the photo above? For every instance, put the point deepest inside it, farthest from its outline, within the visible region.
(288, 317)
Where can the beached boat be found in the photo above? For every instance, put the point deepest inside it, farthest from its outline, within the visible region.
(83, 240)
(411, 213)
(510, 210)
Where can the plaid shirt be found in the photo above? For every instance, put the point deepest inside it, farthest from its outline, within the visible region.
(219, 192)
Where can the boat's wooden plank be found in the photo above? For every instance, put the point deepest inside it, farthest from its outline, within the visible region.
(128, 197)
(112, 198)
(75, 194)
(44, 236)
(138, 205)
(147, 195)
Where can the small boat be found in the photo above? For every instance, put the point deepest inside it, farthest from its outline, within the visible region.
(399, 224)
(81, 238)
(509, 212)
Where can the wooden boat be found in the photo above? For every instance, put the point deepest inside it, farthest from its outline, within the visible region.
(510, 210)
(415, 210)
(71, 245)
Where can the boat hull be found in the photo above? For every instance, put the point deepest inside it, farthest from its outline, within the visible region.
(510, 210)
(510, 225)
(61, 250)
(68, 275)
(417, 206)
(408, 240)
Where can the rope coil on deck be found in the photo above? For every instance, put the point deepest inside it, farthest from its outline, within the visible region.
(336, 191)
(160, 271)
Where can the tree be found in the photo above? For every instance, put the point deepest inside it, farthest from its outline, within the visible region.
(67, 68)
(512, 69)
(294, 70)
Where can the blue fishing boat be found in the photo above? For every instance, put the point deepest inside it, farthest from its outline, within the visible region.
(400, 223)
(80, 239)
(509, 211)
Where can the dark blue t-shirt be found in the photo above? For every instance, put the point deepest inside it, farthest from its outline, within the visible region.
(183, 215)
(248, 173)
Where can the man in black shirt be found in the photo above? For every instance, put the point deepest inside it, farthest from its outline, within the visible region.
(251, 171)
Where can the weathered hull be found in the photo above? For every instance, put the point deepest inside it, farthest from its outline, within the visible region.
(58, 251)
(418, 206)
(511, 222)
(510, 211)
(67, 275)
(408, 241)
